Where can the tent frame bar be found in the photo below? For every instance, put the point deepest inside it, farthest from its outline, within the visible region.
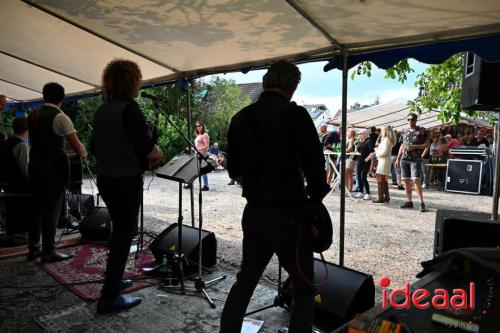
(47, 68)
(315, 24)
(21, 86)
(101, 36)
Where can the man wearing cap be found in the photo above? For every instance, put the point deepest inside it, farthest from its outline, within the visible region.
(409, 160)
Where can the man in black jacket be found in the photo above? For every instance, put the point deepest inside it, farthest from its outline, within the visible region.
(275, 217)
(48, 170)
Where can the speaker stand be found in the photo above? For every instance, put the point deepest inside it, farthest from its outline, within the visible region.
(199, 284)
(140, 234)
(278, 300)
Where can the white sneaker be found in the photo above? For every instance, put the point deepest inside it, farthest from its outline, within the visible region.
(424, 186)
(359, 195)
(366, 197)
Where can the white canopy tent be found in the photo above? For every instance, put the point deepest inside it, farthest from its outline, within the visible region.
(394, 113)
(71, 41)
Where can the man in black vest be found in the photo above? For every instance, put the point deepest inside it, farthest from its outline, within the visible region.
(48, 170)
(275, 217)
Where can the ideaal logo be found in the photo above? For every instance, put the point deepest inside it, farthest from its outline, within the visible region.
(441, 298)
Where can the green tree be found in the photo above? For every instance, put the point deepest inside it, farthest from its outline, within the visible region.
(223, 100)
(440, 87)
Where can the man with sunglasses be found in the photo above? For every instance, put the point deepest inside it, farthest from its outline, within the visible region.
(409, 160)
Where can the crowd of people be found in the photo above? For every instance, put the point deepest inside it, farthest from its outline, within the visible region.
(401, 156)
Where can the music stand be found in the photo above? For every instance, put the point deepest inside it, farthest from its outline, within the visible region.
(186, 168)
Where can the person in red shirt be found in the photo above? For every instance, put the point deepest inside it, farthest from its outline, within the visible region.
(451, 142)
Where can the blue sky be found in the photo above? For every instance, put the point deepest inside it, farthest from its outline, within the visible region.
(318, 87)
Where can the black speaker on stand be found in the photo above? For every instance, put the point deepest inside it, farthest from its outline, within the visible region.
(480, 84)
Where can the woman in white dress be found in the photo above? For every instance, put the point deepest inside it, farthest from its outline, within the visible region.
(383, 152)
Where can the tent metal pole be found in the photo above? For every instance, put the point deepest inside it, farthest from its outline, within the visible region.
(496, 187)
(345, 71)
(191, 190)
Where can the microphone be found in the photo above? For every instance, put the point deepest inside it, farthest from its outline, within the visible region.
(154, 98)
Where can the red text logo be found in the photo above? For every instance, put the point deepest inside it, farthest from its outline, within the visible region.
(440, 298)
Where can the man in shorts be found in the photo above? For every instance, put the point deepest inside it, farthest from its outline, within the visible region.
(409, 160)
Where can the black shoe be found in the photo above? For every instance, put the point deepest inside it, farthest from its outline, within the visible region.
(120, 303)
(205, 188)
(422, 208)
(55, 257)
(401, 187)
(407, 204)
(33, 255)
(125, 284)
(232, 182)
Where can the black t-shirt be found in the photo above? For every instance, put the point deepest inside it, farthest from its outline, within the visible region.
(331, 138)
(475, 142)
(365, 149)
(395, 148)
(374, 137)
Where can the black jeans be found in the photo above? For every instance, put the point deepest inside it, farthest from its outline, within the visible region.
(123, 198)
(47, 199)
(362, 169)
(267, 230)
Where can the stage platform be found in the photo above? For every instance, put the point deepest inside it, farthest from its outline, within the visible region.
(31, 301)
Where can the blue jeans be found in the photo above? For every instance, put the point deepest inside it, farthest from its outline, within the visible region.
(205, 180)
(394, 174)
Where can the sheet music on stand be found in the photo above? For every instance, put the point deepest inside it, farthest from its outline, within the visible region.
(182, 168)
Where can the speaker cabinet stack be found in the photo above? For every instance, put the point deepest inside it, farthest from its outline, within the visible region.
(480, 84)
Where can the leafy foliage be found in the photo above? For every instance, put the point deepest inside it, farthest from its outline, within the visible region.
(213, 103)
(224, 99)
(440, 87)
(6, 117)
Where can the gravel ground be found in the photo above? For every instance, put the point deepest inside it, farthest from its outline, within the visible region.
(380, 239)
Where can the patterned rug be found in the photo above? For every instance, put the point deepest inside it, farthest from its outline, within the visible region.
(17, 251)
(88, 265)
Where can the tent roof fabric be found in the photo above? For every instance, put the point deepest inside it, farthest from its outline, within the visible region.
(394, 113)
(71, 41)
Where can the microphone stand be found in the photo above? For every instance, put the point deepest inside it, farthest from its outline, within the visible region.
(199, 283)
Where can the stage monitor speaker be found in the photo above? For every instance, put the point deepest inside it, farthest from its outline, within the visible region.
(459, 229)
(96, 226)
(166, 243)
(82, 208)
(345, 293)
(464, 176)
(480, 84)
